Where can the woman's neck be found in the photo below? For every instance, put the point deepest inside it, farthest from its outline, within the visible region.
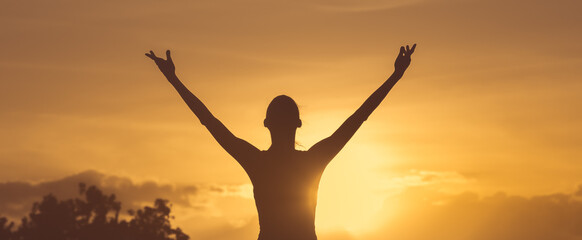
(283, 140)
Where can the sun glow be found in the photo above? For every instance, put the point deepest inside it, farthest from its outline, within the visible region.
(352, 191)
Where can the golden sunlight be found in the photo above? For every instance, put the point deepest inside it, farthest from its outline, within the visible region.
(352, 190)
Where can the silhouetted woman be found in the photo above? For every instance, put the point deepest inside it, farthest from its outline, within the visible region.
(285, 180)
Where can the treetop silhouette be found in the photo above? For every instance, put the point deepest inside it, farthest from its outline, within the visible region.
(96, 217)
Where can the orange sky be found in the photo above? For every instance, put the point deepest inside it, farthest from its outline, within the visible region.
(490, 103)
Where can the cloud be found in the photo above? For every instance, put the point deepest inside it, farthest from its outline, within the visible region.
(424, 178)
(249, 231)
(419, 213)
(17, 197)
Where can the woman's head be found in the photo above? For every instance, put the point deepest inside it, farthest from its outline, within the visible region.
(282, 113)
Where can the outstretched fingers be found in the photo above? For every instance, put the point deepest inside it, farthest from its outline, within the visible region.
(409, 50)
(151, 55)
(168, 56)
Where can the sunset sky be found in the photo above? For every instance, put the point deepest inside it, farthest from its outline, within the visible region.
(481, 139)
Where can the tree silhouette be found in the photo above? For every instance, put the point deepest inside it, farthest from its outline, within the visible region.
(96, 217)
(5, 230)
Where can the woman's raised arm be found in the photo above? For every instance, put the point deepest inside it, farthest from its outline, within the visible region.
(329, 147)
(236, 147)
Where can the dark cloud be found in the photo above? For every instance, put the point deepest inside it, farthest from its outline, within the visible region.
(228, 232)
(16, 198)
(421, 214)
(250, 231)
